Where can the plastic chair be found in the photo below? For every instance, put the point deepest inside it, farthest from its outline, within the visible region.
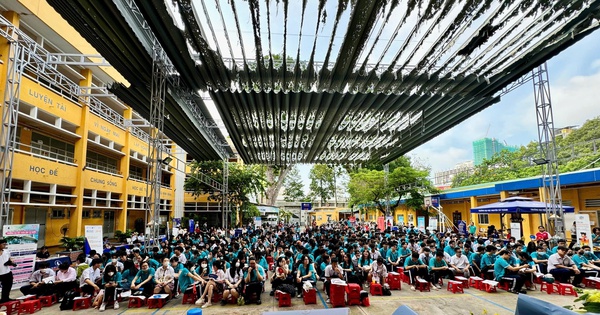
(455, 286)
(30, 306)
(80, 303)
(136, 301)
(11, 306)
(284, 298)
(566, 289)
(376, 289)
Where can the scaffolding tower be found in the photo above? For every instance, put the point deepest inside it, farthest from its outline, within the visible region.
(545, 122)
(15, 64)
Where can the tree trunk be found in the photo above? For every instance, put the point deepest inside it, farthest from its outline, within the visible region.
(275, 183)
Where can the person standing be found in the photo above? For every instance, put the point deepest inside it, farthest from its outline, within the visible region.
(472, 228)
(6, 276)
(573, 231)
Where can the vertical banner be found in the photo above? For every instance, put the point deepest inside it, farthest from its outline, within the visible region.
(22, 242)
(192, 225)
(257, 222)
(433, 222)
(421, 223)
(462, 227)
(93, 234)
(389, 222)
(381, 223)
(515, 230)
(584, 231)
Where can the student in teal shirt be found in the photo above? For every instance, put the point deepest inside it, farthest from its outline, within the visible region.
(111, 280)
(306, 272)
(503, 269)
(488, 260)
(439, 269)
(583, 264)
(415, 268)
(187, 277)
(404, 253)
(144, 280)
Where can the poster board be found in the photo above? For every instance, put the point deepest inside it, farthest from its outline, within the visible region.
(433, 222)
(584, 230)
(257, 222)
(22, 240)
(515, 230)
(421, 223)
(93, 234)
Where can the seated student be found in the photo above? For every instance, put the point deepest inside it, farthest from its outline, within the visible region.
(188, 279)
(438, 269)
(364, 266)
(81, 265)
(115, 261)
(332, 271)
(378, 272)
(560, 243)
(253, 278)
(459, 263)
(488, 262)
(588, 269)
(415, 268)
(529, 272)
(503, 269)
(43, 253)
(65, 280)
(279, 275)
(475, 260)
(174, 261)
(234, 280)
(36, 285)
(404, 253)
(111, 281)
(214, 285)
(563, 268)
(144, 280)
(305, 272)
(90, 279)
(164, 278)
(348, 267)
(590, 256)
(540, 257)
(128, 274)
(393, 257)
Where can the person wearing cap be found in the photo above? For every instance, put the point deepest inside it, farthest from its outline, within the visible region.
(563, 268)
(6, 275)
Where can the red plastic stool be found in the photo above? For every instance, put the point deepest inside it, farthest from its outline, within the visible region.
(11, 306)
(489, 286)
(158, 300)
(591, 282)
(310, 296)
(376, 289)
(366, 302)
(455, 286)
(217, 297)
(30, 306)
(549, 287)
(394, 281)
(188, 298)
(423, 285)
(136, 301)
(475, 282)
(29, 297)
(284, 298)
(566, 289)
(48, 300)
(465, 281)
(353, 294)
(80, 303)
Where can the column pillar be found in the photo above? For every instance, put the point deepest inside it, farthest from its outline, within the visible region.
(75, 222)
(121, 217)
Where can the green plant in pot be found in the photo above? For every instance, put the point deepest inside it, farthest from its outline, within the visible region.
(72, 243)
(123, 236)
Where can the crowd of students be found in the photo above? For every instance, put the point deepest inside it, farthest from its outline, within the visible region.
(207, 262)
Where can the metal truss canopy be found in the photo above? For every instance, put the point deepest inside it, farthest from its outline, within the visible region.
(344, 81)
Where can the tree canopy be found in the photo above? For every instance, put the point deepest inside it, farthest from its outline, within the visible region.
(293, 186)
(322, 182)
(244, 181)
(576, 151)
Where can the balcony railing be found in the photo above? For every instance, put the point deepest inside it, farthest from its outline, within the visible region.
(47, 152)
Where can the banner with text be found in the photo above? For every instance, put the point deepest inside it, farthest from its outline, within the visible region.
(93, 233)
(22, 242)
(584, 230)
(421, 223)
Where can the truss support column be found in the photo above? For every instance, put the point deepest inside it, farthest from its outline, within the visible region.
(158, 90)
(225, 203)
(545, 124)
(386, 173)
(8, 131)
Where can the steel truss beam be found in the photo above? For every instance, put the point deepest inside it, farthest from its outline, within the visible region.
(10, 114)
(545, 122)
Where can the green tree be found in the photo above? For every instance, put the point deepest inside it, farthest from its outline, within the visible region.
(367, 188)
(275, 176)
(411, 183)
(244, 181)
(322, 182)
(293, 186)
(285, 215)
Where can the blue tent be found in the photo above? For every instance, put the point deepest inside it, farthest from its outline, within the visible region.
(517, 205)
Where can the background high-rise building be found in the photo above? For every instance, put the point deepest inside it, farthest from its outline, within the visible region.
(486, 148)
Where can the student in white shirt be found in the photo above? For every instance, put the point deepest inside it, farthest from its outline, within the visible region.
(6, 276)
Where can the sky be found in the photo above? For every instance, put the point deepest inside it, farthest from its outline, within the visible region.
(574, 81)
(574, 77)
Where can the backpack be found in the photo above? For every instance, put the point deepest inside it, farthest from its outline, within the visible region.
(288, 288)
(67, 301)
(386, 292)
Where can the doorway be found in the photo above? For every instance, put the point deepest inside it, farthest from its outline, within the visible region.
(37, 216)
(456, 217)
(108, 227)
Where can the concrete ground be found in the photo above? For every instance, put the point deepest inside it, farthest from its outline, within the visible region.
(440, 302)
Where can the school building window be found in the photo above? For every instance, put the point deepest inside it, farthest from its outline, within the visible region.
(484, 218)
